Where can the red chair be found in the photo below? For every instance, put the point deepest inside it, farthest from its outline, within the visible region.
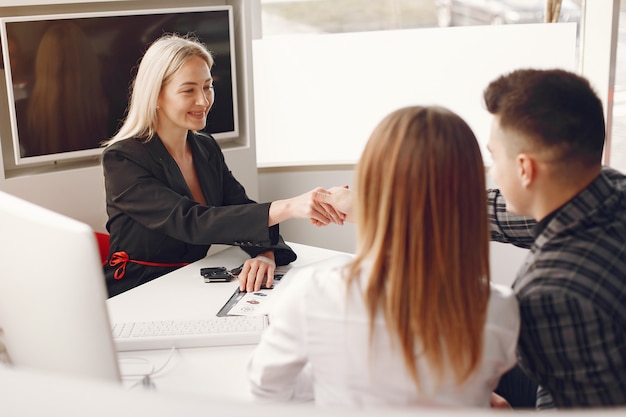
(103, 245)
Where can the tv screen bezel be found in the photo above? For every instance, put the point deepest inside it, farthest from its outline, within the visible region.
(94, 153)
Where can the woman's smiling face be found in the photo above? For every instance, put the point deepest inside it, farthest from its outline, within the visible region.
(185, 100)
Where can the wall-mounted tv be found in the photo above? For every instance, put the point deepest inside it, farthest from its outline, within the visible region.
(68, 75)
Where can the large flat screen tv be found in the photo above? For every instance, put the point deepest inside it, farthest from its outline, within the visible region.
(68, 75)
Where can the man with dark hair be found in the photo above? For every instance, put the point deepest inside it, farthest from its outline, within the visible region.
(546, 142)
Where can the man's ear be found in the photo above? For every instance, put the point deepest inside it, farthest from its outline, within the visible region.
(526, 169)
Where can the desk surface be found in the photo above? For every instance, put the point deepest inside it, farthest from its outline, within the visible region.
(214, 377)
(212, 371)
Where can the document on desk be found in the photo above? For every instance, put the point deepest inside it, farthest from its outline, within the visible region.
(257, 303)
(254, 303)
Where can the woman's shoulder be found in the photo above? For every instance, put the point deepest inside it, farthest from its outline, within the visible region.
(323, 278)
(128, 145)
(316, 287)
(319, 274)
(132, 149)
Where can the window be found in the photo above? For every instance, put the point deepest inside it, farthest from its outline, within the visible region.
(284, 17)
(617, 151)
(308, 67)
(280, 17)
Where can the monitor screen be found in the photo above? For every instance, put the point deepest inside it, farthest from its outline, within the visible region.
(68, 75)
(53, 311)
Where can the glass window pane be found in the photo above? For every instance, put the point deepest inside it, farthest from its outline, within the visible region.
(617, 152)
(335, 16)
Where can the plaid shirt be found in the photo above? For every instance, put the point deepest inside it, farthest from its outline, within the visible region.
(572, 294)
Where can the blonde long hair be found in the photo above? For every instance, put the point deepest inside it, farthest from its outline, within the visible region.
(422, 222)
(160, 62)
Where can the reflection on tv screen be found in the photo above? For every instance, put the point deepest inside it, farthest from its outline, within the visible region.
(70, 74)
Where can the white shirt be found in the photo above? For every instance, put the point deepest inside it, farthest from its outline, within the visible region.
(318, 347)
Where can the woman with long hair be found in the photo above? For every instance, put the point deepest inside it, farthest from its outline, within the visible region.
(412, 318)
(169, 192)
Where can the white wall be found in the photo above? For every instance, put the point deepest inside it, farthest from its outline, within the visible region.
(318, 97)
(279, 183)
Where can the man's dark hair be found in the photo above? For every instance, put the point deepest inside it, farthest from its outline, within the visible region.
(558, 110)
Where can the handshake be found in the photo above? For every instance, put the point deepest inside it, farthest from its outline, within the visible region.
(332, 206)
(321, 206)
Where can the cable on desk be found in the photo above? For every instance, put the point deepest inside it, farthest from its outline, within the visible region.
(4, 354)
(169, 358)
(146, 378)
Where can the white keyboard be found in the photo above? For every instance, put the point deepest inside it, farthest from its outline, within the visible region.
(215, 331)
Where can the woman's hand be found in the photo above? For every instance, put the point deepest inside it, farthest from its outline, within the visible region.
(257, 272)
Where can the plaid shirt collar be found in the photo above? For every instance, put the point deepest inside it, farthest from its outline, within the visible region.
(590, 199)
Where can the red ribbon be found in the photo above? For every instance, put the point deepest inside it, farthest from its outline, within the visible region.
(121, 259)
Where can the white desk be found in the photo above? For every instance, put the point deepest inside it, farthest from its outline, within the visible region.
(196, 382)
(213, 371)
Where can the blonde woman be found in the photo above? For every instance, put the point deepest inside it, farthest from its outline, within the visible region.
(169, 192)
(412, 319)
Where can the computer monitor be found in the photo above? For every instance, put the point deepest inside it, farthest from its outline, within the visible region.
(53, 311)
